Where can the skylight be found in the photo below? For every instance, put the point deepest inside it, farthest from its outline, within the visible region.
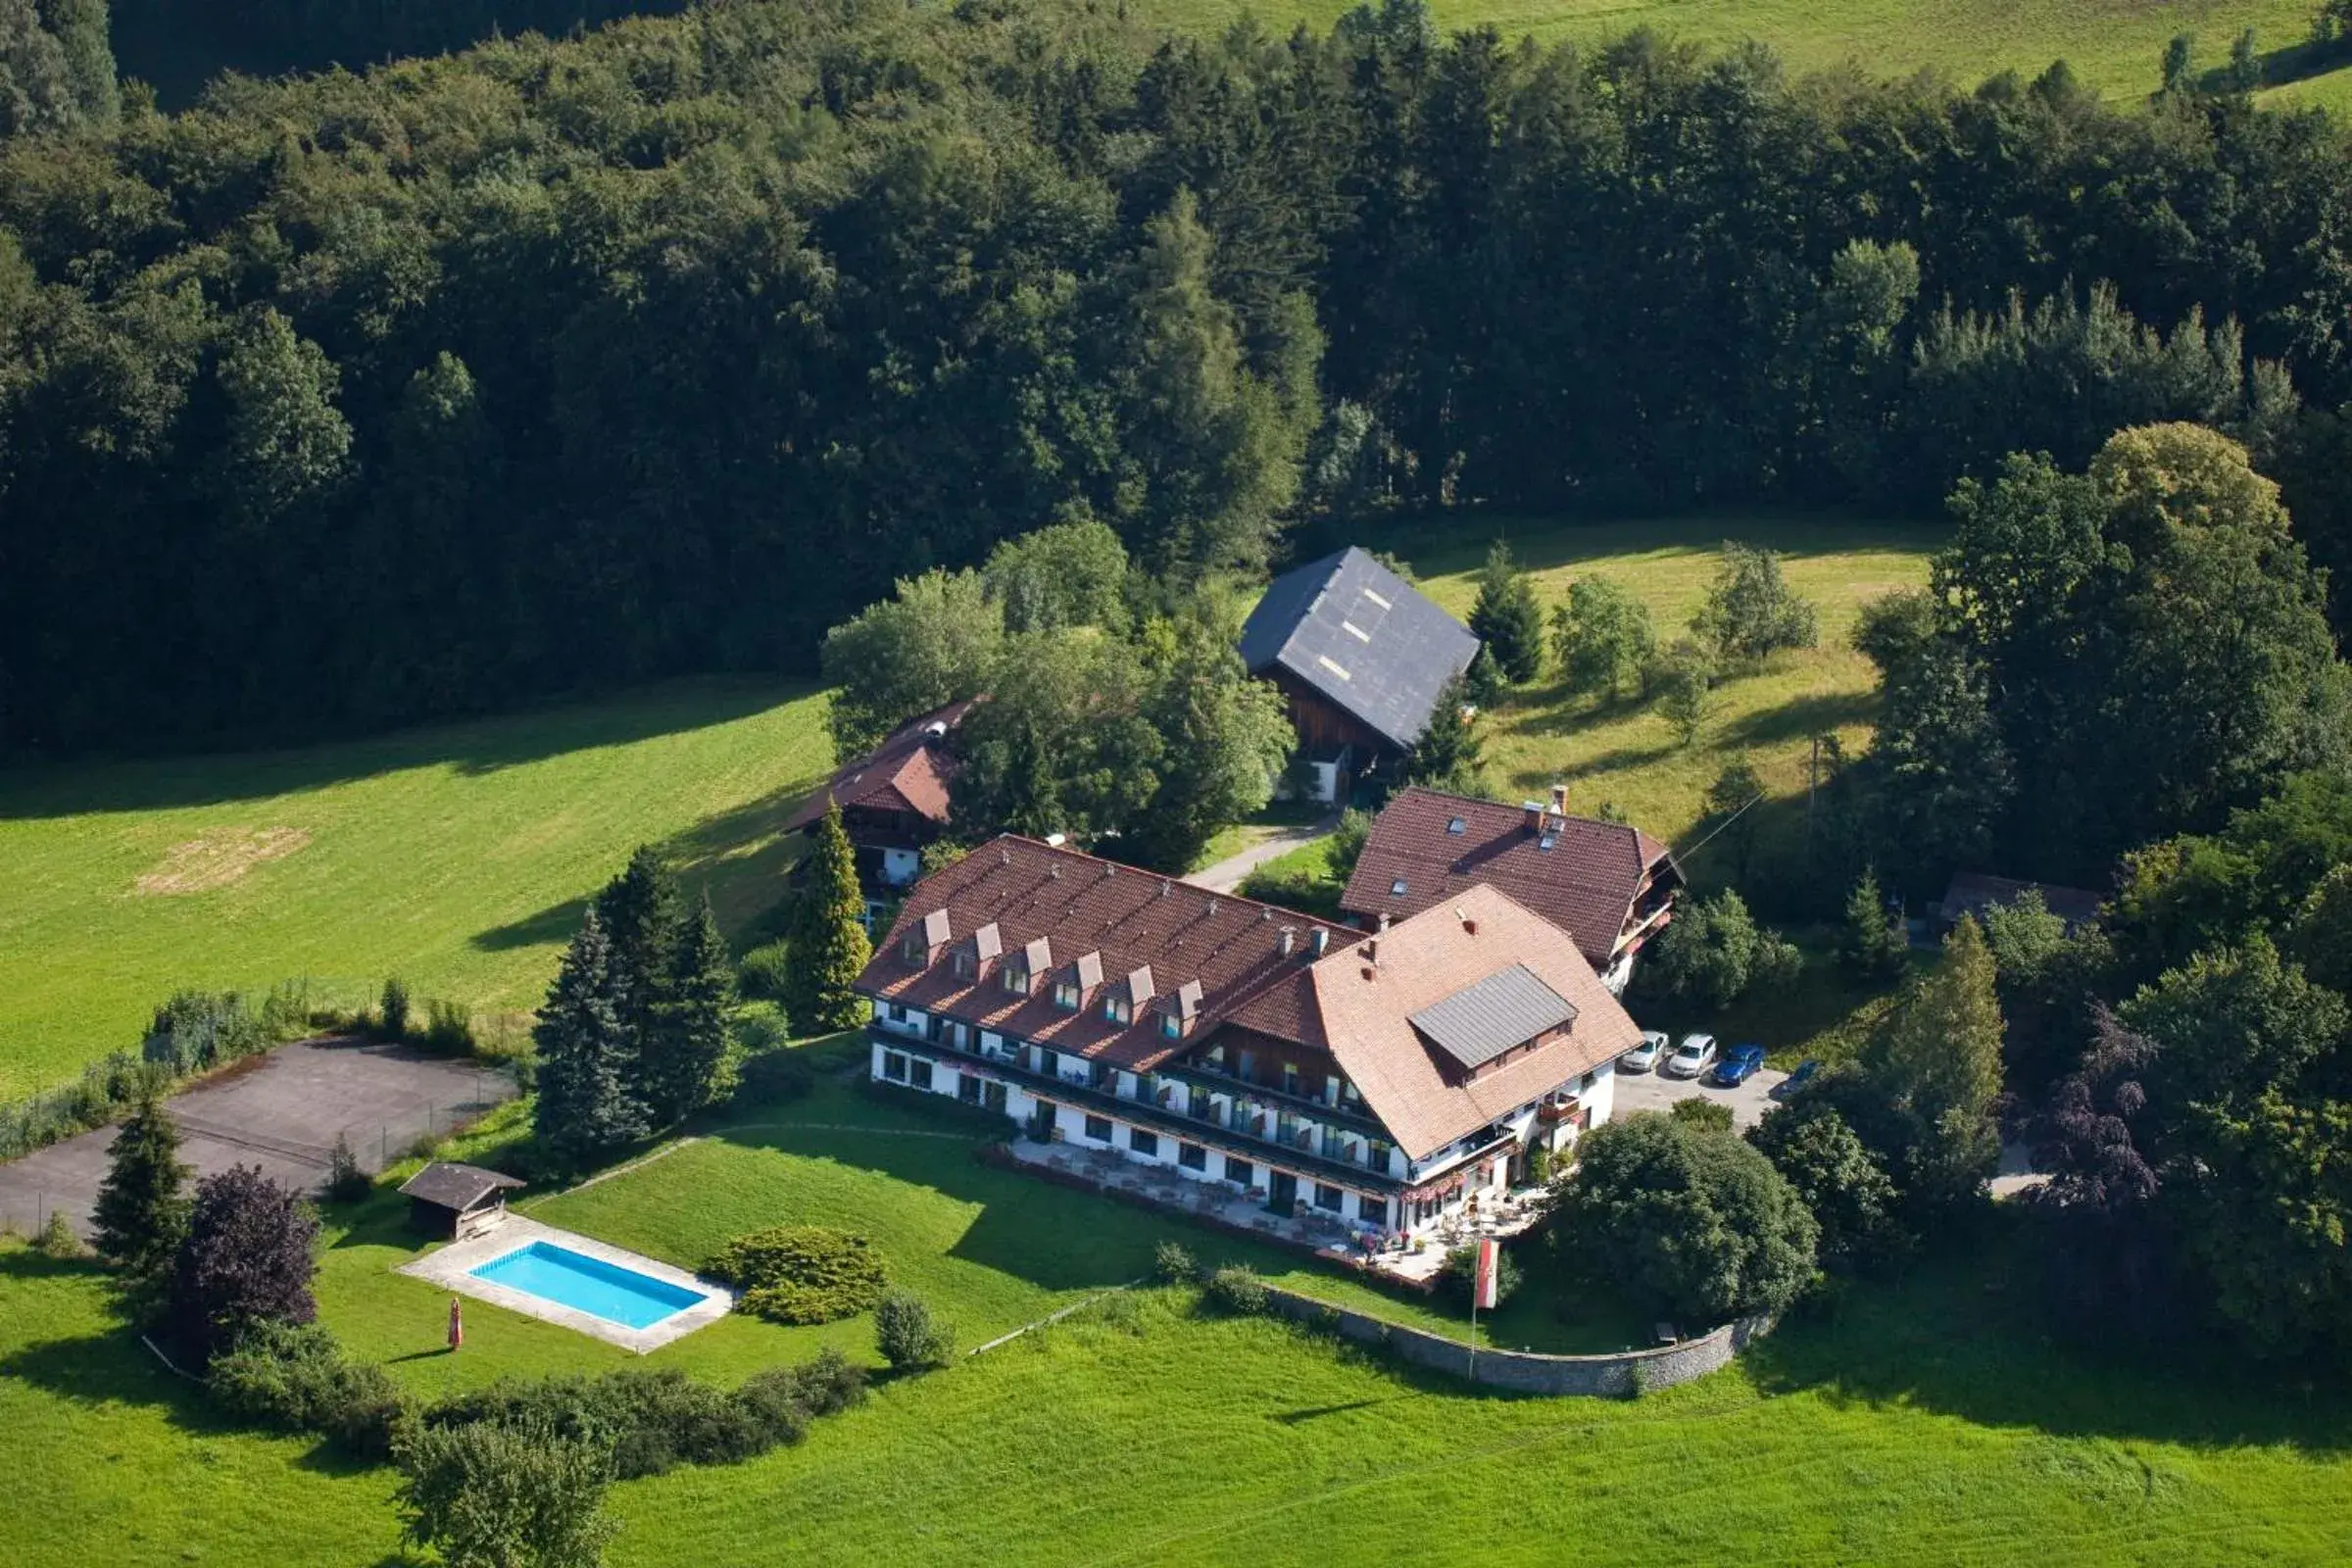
(1547, 841)
(1331, 665)
(1458, 825)
(1396, 888)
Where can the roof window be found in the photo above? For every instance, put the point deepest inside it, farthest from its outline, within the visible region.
(1547, 841)
(1456, 825)
(1396, 888)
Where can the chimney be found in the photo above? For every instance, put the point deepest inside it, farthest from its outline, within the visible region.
(1372, 952)
(1469, 926)
(1322, 941)
(1532, 815)
(1289, 939)
(1383, 919)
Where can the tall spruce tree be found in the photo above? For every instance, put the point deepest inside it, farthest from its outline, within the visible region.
(142, 1210)
(682, 1057)
(1871, 945)
(643, 915)
(586, 1106)
(1507, 617)
(1448, 756)
(827, 945)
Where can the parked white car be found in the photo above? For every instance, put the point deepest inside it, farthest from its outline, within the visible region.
(1644, 1057)
(1692, 1057)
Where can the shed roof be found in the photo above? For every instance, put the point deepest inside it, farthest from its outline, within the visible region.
(1361, 637)
(1487, 1017)
(454, 1186)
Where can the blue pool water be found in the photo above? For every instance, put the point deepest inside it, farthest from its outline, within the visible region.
(588, 1285)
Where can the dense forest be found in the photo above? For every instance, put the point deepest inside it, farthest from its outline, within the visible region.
(340, 401)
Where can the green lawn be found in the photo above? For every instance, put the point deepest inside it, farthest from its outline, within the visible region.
(1929, 1423)
(456, 858)
(2115, 46)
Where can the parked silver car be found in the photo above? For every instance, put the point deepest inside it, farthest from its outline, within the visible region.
(1690, 1058)
(1644, 1057)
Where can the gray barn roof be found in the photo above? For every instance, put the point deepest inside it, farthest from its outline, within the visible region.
(454, 1186)
(1487, 1017)
(1363, 638)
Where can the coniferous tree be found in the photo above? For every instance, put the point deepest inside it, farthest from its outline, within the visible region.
(1507, 617)
(643, 915)
(1448, 756)
(1873, 945)
(828, 943)
(683, 1055)
(142, 1213)
(586, 1104)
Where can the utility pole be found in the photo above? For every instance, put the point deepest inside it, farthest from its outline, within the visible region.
(1812, 779)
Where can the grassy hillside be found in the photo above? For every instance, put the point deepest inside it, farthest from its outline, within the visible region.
(2115, 46)
(1625, 754)
(456, 858)
(1930, 1422)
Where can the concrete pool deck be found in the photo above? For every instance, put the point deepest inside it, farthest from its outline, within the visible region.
(451, 1269)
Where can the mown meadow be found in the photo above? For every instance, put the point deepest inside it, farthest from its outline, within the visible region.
(1928, 1420)
(456, 858)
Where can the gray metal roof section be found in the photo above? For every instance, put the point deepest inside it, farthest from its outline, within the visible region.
(1363, 637)
(1487, 1017)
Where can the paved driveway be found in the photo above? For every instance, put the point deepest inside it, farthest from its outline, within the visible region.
(1655, 1091)
(282, 1113)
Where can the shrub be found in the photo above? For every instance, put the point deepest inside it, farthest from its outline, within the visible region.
(1172, 1263)
(773, 1078)
(448, 1028)
(760, 974)
(802, 1273)
(1236, 1289)
(57, 1237)
(297, 1379)
(906, 1335)
(392, 1011)
(485, 1495)
(828, 1384)
(1704, 1114)
(771, 1400)
(1460, 1269)
(660, 1419)
(345, 1183)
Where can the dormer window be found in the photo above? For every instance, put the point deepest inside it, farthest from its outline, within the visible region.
(1171, 1027)
(1116, 1008)
(1065, 996)
(965, 965)
(913, 950)
(1013, 979)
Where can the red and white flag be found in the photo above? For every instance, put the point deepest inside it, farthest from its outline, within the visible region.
(1490, 1264)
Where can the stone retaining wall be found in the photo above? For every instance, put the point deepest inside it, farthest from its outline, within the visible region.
(1606, 1376)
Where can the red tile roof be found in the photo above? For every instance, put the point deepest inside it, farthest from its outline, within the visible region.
(1118, 921)
(908, 772)
(1367, 1010)
(1586, 883)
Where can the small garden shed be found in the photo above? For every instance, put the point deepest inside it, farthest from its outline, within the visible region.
(446, 1198)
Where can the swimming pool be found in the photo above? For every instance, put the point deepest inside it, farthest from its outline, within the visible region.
(588, 1285)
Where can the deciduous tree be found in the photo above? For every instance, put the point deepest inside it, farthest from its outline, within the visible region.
(1604, 638)
(246, 1259)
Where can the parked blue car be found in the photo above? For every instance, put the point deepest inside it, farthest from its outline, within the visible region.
(1739, 1065)
(1797, 1080)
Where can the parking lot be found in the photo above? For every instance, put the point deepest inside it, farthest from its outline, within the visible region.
(1655, 1091)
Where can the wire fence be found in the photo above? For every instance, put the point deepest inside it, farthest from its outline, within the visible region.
(65, 1178)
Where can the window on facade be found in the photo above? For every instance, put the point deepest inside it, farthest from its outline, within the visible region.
(967, 1088)
(1141, 1141)
(1099, 1129)
(894, 1066)
(1377, 1155)
(1192, 1157)
(1238, 1171)
(1327, 1196)
(918, 1073)
(1065, 996)
(1290, 1077)
(1013, 980)
(1114, 1008)
(1373, 1210)
(1585, 1081)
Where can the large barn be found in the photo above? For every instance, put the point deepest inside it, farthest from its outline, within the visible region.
(1362, 656)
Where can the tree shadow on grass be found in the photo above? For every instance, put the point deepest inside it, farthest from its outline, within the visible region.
(473, 746)
(1811, 714)
(1967, 1336)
